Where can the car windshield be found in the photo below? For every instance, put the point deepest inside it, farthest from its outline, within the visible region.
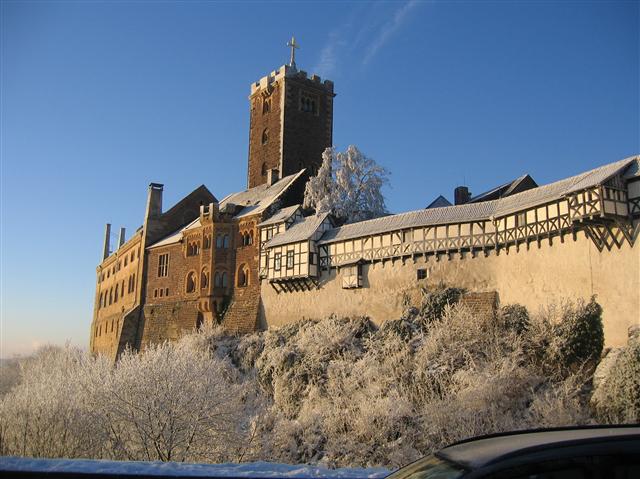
(429, 467)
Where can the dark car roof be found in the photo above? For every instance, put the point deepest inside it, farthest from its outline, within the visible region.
(481, 452)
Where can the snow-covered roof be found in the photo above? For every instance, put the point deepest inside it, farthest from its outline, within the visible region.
(281, 215)
(478, 211)
(176, 236)
(300, 231)
(257, 199)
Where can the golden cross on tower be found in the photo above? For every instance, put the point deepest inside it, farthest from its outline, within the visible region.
(292, 43)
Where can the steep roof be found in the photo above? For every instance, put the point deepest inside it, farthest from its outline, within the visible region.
(176, 236)
(259, 198)
(281, 215)
(439, 202)
(478, 211)
(300, 231)
(522, 183)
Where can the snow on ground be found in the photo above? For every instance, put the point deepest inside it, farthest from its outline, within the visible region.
(243, 470)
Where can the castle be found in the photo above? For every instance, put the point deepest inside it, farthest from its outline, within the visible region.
(253, 259)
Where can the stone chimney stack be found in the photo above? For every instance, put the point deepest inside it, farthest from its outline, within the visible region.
(154, 200)
(121, 237)
(272, 176)
(461, 195)
(107, 238)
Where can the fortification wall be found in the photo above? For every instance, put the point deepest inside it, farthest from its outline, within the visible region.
(534, 277)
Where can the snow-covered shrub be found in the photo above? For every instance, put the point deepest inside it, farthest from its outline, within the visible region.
(174, 402)
(514, 317)
(9, 375)
(434, 302)
(562, 339)
(580, 334)
(46, 414)
(618, 399)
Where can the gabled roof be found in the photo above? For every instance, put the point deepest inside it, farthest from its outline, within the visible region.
(300, 231)
(522, 183)
(259, 198)
(478, 211)
(439, 202)
(281, 215)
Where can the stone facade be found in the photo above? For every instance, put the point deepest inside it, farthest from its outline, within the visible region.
(291, 124)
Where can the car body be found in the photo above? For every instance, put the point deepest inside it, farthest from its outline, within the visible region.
(595, 452)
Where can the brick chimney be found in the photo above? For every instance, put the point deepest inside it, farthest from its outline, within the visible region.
(154, 200)
(107, 240)
(461, 195)
(121, 237)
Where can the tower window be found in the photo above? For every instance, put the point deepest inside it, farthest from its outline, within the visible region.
(265, 136)
(309, 103)
(264, 169)
(266, 106)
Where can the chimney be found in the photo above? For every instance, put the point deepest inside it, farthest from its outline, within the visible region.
(154, 200)
(107, 237)
(272, 176)
(121, 237)
(461, 195)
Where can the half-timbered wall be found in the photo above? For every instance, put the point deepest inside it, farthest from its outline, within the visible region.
(581, 245)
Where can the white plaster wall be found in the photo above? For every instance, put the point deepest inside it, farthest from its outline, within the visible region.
(534, 278)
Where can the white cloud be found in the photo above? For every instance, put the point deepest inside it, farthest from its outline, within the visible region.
(387, 30)
(327, 63)
(361, 35)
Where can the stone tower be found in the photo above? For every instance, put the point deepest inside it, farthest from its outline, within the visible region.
(291, 123)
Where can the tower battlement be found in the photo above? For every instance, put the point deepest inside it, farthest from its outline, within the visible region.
(289, 72)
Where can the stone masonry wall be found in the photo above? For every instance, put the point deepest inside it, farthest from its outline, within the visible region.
(306, 135)
(242, 315)
(268, 153)
(168, 321)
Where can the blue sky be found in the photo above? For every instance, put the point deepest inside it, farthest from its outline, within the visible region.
(101, 98)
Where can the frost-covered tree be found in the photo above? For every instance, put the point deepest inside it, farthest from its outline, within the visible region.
(348, 185)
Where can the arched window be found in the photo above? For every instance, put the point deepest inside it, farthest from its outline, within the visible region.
(110, 295)
(225, 241)
(264, 169)
(204, 278)
(224, 280)
(250, 239)
(266, 106)
(115, 296)
(100, 300)
(219, 241)
(206, 242)
(265, 136)
(191, 282)
(216, 280)
(243, 275)
(122, 288)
